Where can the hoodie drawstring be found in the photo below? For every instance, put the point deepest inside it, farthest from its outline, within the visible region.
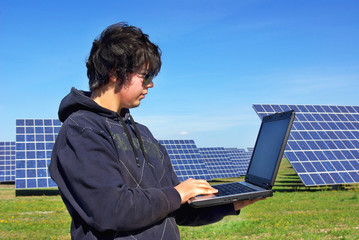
(131, 140)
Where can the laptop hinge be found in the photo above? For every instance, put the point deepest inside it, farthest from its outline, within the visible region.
(266, 185)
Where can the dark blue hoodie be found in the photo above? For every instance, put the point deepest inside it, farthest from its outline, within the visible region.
(108, 192)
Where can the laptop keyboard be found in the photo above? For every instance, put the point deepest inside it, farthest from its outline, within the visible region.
(232, 188)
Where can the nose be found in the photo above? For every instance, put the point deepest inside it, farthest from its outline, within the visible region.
(150, 85)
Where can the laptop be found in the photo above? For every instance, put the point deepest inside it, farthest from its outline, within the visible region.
(263, 167)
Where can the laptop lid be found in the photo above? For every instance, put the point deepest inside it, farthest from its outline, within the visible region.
(263, 168)
(269, 149)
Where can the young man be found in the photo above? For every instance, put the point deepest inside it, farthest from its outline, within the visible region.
(115, 179)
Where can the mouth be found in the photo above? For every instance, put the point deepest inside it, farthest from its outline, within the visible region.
(143, 95)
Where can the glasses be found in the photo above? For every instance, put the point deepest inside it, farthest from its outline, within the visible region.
(147, 78)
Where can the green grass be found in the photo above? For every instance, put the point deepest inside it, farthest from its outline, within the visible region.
(295, 212)
(42, 217)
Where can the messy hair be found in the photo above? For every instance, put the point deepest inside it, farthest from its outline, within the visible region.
(119, 50)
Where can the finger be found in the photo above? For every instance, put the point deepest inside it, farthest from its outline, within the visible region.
(206, 190)
(203, 183)
(200, 183)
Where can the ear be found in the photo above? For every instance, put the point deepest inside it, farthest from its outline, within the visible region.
(112, 79)
(112, 76)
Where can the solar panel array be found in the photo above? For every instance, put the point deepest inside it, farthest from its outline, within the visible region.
(186, 159)
(323, 149)
(240, 158)
(323, 146)
(35, 139)
(206, 163)
(34, 142)
(218, 162)
(7, 161)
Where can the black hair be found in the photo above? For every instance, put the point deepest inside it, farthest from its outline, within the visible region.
(119, 50)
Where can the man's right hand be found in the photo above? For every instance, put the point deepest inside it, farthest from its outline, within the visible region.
(192, 187)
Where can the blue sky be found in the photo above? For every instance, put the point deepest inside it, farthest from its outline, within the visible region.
(219, 58)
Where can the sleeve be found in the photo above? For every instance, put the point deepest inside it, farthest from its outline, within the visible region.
(84, 165)
(189, 216)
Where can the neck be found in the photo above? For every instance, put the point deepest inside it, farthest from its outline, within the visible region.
(105, 97)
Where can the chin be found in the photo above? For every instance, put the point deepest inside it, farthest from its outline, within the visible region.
(135, 105)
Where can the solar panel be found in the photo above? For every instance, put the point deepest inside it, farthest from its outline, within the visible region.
(218, 162)
(34, 142)
(250, 149)
(323, 146)
(240, 158)
(7, 161)
(186, 159)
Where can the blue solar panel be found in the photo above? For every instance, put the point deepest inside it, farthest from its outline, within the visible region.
(323, 146)
(34, 142)
(240, 159)
(7, 161)
(218, 162)
(186, 159)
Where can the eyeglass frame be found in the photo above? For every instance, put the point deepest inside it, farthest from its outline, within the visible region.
(147, 78)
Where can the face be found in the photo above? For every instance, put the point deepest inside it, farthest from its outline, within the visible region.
(130, 95)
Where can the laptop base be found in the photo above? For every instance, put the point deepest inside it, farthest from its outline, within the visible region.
(214, 200)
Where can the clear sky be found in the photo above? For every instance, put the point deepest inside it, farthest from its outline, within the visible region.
(219, 58)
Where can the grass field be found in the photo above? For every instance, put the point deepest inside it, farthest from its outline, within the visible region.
(295, 212)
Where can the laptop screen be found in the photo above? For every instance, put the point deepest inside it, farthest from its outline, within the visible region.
(268, 148)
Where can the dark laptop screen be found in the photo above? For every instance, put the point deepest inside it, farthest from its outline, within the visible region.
(268, 147)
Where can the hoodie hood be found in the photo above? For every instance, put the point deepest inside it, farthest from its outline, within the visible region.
(80, 100)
